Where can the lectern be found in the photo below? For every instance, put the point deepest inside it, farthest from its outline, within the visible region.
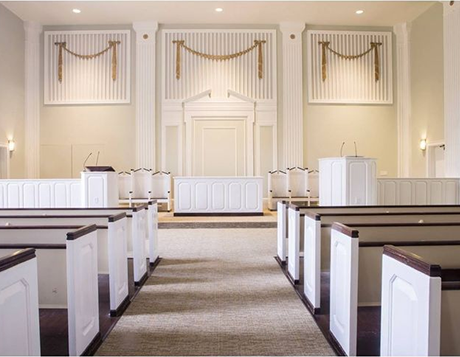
(347, 181)
(99, 187)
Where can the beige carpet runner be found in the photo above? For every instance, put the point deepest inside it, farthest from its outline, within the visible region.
(217, 292)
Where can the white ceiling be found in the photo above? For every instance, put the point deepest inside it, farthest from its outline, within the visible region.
(382, 13)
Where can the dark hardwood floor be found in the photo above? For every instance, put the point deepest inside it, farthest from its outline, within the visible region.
(53, 322)
(368, 317)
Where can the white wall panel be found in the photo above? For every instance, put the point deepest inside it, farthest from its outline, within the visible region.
(87, 81)
(350, 81)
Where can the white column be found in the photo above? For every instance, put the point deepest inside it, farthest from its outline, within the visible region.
(452, 88)
(145, 93)
(32, 98)
(403, 104)
(292, 93)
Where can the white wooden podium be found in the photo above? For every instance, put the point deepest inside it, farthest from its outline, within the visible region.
(347, 181)
(99, 188)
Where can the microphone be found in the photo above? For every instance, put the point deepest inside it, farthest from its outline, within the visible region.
(341, 149)
(84, 163)
(356, 150)
(97, 159)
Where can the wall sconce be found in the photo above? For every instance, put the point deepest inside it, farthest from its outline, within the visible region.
(423, 144)
(11, 145)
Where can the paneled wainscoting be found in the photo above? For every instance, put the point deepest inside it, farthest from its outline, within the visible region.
(40, 193)
(418, 191)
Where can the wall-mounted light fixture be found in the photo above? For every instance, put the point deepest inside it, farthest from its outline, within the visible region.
(423, 144)
(11, 145)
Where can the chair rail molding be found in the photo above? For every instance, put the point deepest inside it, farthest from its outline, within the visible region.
(32, 98)
(452, 88)
(145, 93)
(292, 93)
(403, 107)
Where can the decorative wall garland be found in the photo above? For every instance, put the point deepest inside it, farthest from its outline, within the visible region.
(374, 47)
(112, 45)
(181, 44)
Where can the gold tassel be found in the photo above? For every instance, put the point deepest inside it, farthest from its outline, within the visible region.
(112, 45)
(376, 61)
(181, 44)
(60, 44)
(114, 59)
(178, 59)
(324, 60)
(260, 61)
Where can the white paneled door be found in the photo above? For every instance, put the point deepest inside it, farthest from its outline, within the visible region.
(219, 147)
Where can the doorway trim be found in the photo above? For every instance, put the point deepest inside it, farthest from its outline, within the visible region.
(232, 109)
(430, 147)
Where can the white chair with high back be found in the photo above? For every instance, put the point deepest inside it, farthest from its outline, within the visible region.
(161, 188)
(124, 185)
(297, 178)
(141, 184)
(277, 188)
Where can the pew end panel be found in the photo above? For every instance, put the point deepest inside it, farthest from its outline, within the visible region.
(312, 261)
(344, 288)
(82, 289)
(293, 244)
(118, 267)
(19, 322)
(152, 220)
(139, 238)
(411, 305)
(282, 239)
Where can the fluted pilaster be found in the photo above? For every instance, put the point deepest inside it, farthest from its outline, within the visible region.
(145, 93)
(452, 88)
(32, 98)
(292, 93)
(404, 104)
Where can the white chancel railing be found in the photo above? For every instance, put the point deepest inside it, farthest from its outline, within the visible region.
(418, 191)
(44, 193)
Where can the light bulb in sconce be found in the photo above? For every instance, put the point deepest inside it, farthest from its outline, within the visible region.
(11, 145)
(423, 144)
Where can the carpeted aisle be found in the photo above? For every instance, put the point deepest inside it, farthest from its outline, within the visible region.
(217, 292)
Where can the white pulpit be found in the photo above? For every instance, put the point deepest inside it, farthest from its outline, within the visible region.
(347, 181)
(99, 189)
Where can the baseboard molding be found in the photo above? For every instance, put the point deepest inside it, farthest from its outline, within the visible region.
(280, 262)
(93, 345)
(336, 345)
(121, 308)
(213, 214)
(155, 263)
(291, 279)
(142, 280)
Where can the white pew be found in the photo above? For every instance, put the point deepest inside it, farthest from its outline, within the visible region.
(19, 321)
(317, 233)
(352, 210)
(355, 277)
(420, 313)
(136, 232)
(111, 247)
(67, 276)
